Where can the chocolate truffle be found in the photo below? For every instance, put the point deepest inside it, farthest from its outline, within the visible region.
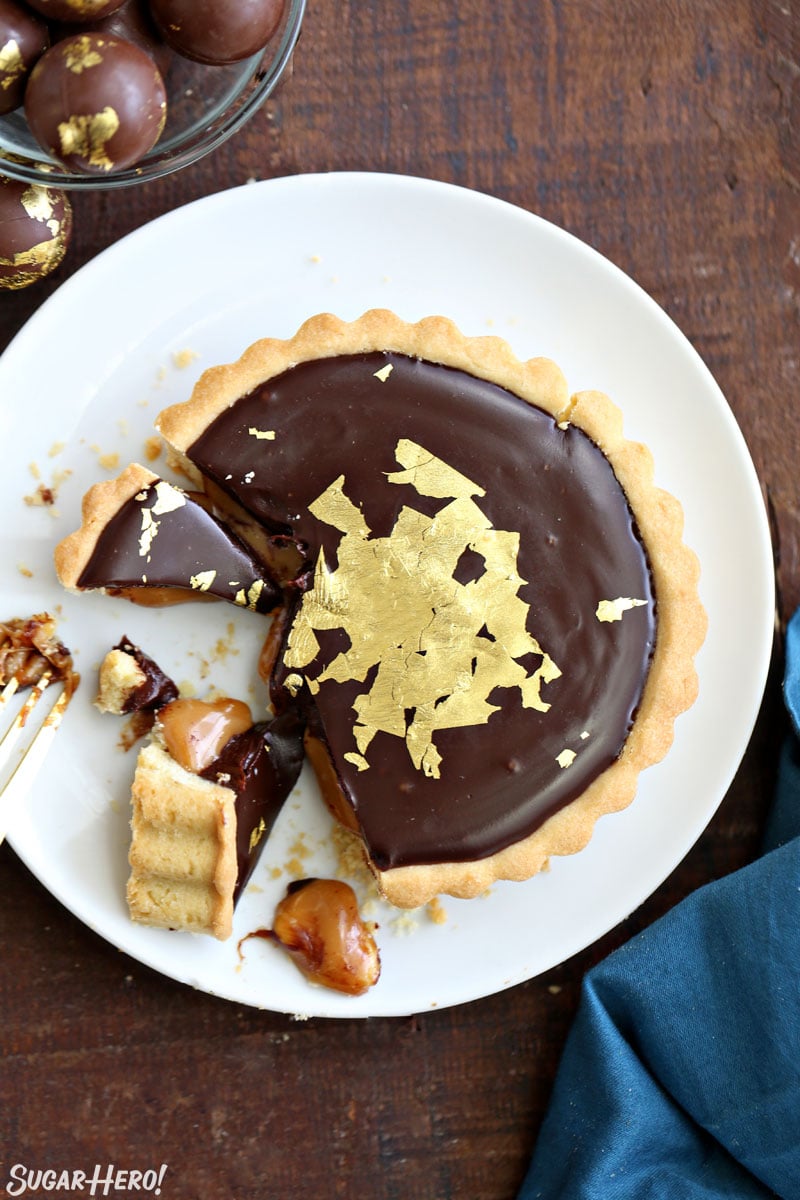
(132, 21)
(35, 226)
(23, 40)
(217, 31)
(75, 10)
(96, 102)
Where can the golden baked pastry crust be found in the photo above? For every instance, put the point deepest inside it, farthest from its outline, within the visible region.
(183, 848)
(671, 686)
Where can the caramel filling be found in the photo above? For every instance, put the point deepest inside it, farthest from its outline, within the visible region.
(195, 731)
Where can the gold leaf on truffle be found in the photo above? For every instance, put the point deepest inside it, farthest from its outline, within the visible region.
(79, 55)
(87, 137)
(11, 63)
(38, 204)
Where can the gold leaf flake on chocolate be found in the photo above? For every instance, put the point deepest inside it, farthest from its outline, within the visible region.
(612, 610)
(262, 435)
(11, 63)
(79, 55)
(38, 204)
(384, 372)
(440, 647)
(293, 683)
(88, 135)
(50, 251)
(168, 498)
(257, 834)
(357, 760)
(254, 593)
(203, 580)
(566, 758)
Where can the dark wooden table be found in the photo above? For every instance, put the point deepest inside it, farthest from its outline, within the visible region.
(666, 136)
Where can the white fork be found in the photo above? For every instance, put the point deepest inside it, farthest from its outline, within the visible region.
(15, 783)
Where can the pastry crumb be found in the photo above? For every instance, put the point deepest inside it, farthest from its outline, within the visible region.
(405, 923)
(25, 570)
(152, 448)
(183, 358)
(436, 911)
(45, 496)
(299, 849)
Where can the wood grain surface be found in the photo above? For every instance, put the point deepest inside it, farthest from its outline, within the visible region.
(666, 136)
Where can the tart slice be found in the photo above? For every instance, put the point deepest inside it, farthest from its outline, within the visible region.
(501, 617)
(144, 538)
(206, 792)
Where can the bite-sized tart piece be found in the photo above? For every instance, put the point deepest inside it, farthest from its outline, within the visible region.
(206, 792)
(144, 538)
(501, 620)
(130, 681)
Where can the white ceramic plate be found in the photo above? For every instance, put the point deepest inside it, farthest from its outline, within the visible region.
(118, 342)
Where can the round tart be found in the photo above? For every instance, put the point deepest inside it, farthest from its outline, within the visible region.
(499, 616)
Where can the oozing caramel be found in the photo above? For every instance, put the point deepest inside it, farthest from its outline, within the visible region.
(195, 731)
(319, 924)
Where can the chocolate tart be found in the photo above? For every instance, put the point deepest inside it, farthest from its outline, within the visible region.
(500, 619)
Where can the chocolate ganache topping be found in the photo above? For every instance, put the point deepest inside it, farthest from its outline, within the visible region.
(261, 766)
(481, 618)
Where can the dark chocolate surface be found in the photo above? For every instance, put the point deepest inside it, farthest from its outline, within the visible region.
(261, 766)
(217, 31)
(578, 545)
(190, 544)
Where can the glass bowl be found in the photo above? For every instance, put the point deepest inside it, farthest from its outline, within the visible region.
(205, 105)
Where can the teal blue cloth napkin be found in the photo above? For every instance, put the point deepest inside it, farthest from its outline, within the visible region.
(681, 1074)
